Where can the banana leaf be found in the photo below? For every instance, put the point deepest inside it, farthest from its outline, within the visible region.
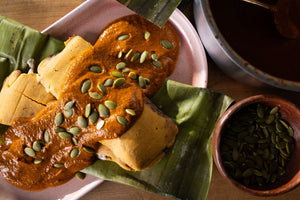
(185, 171)
(19, 43)
(156, 11)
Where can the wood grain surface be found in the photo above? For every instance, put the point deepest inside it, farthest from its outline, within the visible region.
(39, 14)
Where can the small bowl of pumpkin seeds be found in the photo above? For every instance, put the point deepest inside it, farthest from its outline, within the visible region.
(256, 145)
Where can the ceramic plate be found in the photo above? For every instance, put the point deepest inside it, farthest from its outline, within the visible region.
(87, 20)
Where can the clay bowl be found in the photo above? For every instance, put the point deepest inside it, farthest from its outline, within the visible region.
(289, 113)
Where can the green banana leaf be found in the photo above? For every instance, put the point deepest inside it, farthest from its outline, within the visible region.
(156, 11)
(185, 171)
(19, 43)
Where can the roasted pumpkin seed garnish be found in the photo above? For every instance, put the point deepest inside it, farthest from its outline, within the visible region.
(130, 111)
(59, 119)
(108, 82)
(95, 95)
(69, 113)
(135, 56)
(95, 69)
(29, 152)
(74, 153)
(75, 141)
(69, 105)
(38, 160)
(86, 85)
(126, 70)
(82, 122)
(37, 146)
(157, 63)
(74, 130)
(119, 82)
(132, 75)
(64, 135)
(123, 37)
(147, 35)
(128, 54)
(120, 54)
(142, 82)
(58, 165)
(88, 149)
(154, 56)
(117, 74)
(121, 65)
(93, 117)
(46, 136)
(110, 104)
(103, 111)
(166, 44)
(122, 120)
(88, 109)
(143, 56)
(59, 129)
(102, 88)
(80, 175)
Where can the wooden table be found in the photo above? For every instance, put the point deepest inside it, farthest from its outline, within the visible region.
(39, 14)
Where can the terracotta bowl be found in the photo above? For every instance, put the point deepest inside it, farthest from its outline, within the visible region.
(291, 114)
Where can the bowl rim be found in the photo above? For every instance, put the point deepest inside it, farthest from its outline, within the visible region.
(240, 62)
(289, 185)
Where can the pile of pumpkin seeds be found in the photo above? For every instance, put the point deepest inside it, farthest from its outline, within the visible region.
(256, 145)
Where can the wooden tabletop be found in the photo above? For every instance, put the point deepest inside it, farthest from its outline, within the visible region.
(39, 14)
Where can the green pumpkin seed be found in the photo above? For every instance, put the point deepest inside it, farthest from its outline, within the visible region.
(95, 69)
(117, 74)
(119, 82)
(247, 172)
(36, 146)
(86, 85)
(88, 109)
(166, 44)
(29, 152)
(75, 141)
(103, 111)
(95, 95)
(38, 160)
(88, 149)
(58, 165)
(80, 175)
(128, 54)
(59, 129)
(143, 56)
(122, 120)
(108, 82)
(93, 117)
(274, 110)
(69, 113)
(121, 65)
(100, 124)
(154, 57)
(102, 88)
(74, 130)
(126, 70)
(120, 54)
(64, 135)
(130, 111)
(157, 63)
(147, 80)
(142, 82)
(291, 131)
(69, 105)
(147, 35)
(46, 136)
(270, 119)
(74, 153)
(132, 75)
(123, 37)
(260, 111)
(135, 57)
(59, 119)
(82, 122)
(110, 104)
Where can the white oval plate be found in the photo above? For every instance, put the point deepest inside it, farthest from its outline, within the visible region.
(87, 20)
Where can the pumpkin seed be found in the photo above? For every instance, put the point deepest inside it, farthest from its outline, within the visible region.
(100, 124)
(123, 37)
(69, 105)
(117, 74)
(38, 160)
(74, 153)
(120, 54)
(135, 56)
(64, 135)
(95, 95)
(58, 165)
(29, 152)
(154, 56)
(88, 109)
(166, 44)
(147, 35)
(75, 141)
(69, 113)
(108, 82)
(260, 111)
(102, 88)
(95, 69)
(126, 70)
(121, 65)
(59, 119)
(74, 130)
(46, 136)
(80, 175)
(88, 149)
(147, 80)
(119, 82)
(86, 85)
(142, 82)
(270, 119)
(128, 54)
(82, 122)
(93, 117)
(157, 63)
(132, 75)
(274, 110)
(103, 111)
(122, 120)
(143, 56)
(110, 104)
(130, 111)
(36, 146)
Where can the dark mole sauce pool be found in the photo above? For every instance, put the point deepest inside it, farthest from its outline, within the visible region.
(251, 32)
